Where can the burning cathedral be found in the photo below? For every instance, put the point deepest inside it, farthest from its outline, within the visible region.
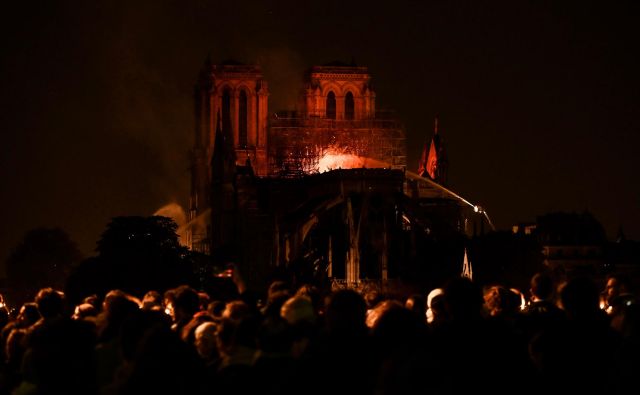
(323, 191)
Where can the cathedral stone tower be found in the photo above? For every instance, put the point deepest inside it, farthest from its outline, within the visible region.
(239, 94)
(231, 97)
(337, 125)
(338, 92)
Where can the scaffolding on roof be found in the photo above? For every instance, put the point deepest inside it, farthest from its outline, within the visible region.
(296, 145)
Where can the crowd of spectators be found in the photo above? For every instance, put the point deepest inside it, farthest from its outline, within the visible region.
(575, 337)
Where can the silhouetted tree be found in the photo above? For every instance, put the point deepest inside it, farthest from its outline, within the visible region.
(135, 254)
(42, 259)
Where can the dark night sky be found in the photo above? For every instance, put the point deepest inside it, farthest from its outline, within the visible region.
(538, 100)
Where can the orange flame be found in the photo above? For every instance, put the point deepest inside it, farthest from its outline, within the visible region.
(334, 159)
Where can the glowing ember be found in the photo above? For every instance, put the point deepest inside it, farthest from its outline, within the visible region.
(334, 159)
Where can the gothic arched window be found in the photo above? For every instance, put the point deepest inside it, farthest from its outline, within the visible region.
(349, 106)
(331, 106)
(242, 119)
(226, 111)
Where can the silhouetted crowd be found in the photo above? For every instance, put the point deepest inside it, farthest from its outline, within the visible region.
(570, 338)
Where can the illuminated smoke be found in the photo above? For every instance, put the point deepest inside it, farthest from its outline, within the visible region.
(175, 212)
(197, 227)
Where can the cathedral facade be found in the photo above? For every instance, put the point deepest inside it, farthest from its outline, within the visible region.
(334, 126)
(322, 190)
